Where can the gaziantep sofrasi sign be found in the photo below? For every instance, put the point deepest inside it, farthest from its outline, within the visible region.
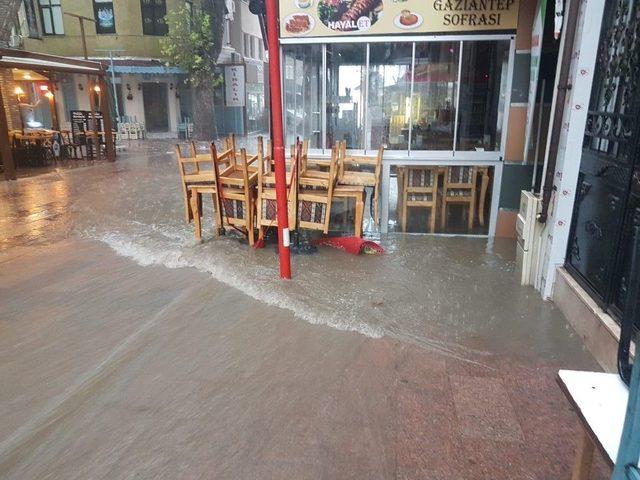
(327, 18)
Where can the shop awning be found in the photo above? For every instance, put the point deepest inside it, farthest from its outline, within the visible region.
(146, 70)
(39, 62)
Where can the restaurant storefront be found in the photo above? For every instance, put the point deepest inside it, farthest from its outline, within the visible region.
(431, 81)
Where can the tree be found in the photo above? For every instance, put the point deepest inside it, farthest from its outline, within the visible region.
(193, 43)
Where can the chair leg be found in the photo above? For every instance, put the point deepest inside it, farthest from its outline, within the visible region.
(403, 213)
(472, 212)
(443, 215)
(432, 219)
(359, 216)
(483, 196)
(188, 214)
(375, 206)
(196, 216)
(250, 220)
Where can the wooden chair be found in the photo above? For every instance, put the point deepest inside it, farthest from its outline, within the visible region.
(266, 214)
(315, 194)
(364, 171)
(235, 192)
(229, 143)
(459, 187)
(191, 173)
(419, 191)
(198, 189)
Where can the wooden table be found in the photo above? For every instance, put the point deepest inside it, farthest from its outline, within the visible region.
(600, 400)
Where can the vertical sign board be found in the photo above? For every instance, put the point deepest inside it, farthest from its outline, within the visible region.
(234, 83)
(81, 122)
(536, 51)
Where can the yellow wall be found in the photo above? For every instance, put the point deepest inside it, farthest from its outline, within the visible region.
(128, 32)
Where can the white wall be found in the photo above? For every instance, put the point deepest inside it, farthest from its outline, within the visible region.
(555, 236)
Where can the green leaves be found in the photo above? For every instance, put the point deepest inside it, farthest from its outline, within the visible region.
(192, 43)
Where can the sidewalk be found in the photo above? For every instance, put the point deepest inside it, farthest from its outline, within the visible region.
(429, 362)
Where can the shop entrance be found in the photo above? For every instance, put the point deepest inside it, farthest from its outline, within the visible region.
(155, 102)
(608, 192)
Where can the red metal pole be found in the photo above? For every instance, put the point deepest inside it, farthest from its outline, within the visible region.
(277, 136)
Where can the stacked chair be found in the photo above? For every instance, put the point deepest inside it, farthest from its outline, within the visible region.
(242, 186)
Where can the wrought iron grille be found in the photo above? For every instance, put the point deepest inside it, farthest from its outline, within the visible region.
(611, 121)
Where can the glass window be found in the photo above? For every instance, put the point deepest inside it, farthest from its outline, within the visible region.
(346, 78)
(104, 16)
(483, 83)
(303, 93)
(389, 106)
(153, 13)
(51, 16)
(440, 199)
(434, 95)
(247, 44)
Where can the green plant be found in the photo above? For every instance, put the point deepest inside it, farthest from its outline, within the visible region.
(191, 45)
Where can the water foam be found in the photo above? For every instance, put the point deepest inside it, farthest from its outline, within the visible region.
(260, 284)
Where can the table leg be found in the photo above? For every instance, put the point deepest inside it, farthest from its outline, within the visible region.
(584, 458)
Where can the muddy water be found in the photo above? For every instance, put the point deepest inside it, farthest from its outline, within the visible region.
(451, 295)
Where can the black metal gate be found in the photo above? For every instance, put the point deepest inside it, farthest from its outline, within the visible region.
(608, 194)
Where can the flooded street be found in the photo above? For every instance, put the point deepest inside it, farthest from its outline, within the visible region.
(130, 351)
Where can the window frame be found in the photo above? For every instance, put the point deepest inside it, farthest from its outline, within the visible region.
(97, 4)
(48, 9)
(450, 156)
(154, 11)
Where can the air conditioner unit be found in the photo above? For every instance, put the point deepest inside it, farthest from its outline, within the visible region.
(528, 230)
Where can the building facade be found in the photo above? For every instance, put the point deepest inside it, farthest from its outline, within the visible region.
(447, 99)
(125, 35)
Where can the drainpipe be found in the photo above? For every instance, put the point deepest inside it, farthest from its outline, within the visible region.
(556, 127)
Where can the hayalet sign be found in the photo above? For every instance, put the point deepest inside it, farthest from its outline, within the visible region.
(323, 18)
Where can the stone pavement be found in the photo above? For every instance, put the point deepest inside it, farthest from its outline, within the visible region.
(111, 369)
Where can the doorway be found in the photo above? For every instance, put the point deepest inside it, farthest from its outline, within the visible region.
(155, 100)
(607, 203)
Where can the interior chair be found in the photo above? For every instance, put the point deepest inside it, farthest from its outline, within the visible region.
(419, 189)
(459, 188)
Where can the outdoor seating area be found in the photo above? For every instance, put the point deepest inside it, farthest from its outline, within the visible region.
(242, 188)
(38, 126)
(43, 147)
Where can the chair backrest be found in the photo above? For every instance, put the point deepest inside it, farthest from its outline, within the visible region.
(460, 181)
(420, 179)
(314, 206)
(230, 144)
(345, 162)
(190, 165)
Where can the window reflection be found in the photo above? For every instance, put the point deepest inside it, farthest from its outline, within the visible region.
(389, 106)
(434, 95)
(303, 93)
(346, 65)
(482, 94)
